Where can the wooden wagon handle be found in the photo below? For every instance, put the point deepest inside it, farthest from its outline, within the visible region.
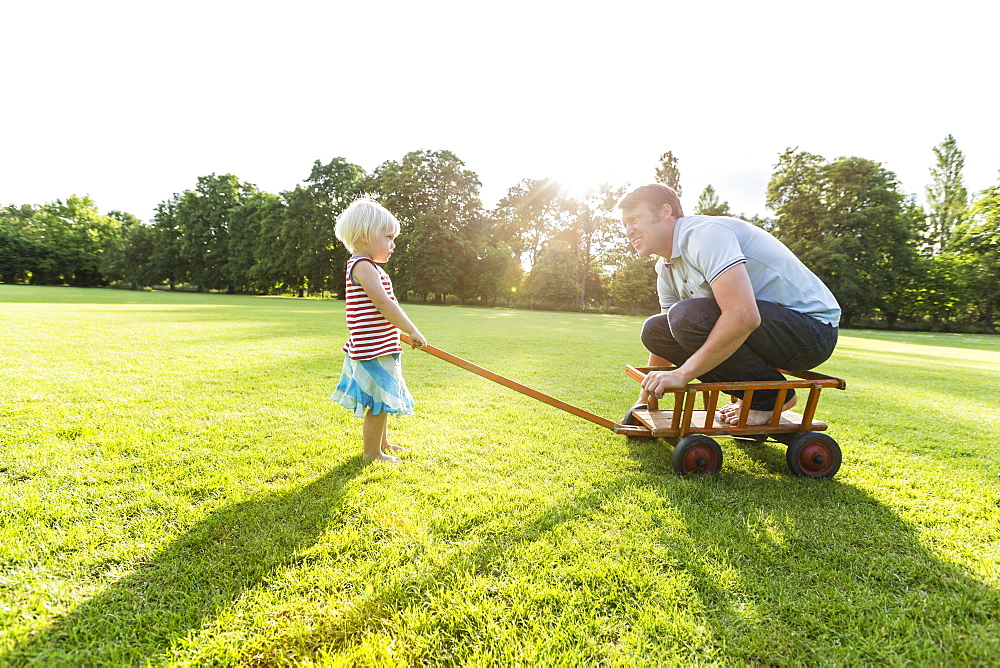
(512, 384)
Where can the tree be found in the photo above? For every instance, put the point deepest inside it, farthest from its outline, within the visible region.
(668, 173)
(246, 223)
(20, 253)
(335, 185)
(978, 239)
(595, 229)
(310, 254)
(758, 221)
(531, 213)
(936, 289)
(265, 215)
(205, 217)
(633, 283)
(947, 197)
(497, 275)
(73, 236)
(795, 193)
(437, 200)
(165, 262)
(709, 204)
(847, 222)
(137, 254)
(112, 265)
(552, 283)
(900, 258)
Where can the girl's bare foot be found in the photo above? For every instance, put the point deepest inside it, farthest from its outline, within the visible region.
(730, 413)
(381, 457)
(393, 448)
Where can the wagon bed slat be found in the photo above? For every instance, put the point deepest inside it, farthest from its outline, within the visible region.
(661, 423)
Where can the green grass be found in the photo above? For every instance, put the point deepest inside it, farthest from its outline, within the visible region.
(176, 489)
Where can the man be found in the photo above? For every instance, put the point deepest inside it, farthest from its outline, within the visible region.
(736, 303)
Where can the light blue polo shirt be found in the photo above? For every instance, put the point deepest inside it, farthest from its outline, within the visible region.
(705, 246)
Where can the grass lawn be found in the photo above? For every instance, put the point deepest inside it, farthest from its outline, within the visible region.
(177, 489)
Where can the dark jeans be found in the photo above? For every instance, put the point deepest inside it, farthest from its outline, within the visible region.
(786, 339)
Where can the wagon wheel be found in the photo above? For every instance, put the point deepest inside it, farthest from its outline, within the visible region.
(697, 453)
(813, 455)
(631, 420)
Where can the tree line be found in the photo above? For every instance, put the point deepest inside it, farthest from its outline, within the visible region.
(889, 261)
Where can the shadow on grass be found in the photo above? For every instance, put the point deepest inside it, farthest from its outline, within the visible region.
(804, 571)
(191, 580)
(823, 561)
(778, 571)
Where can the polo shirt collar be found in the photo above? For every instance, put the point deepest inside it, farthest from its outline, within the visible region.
(675, 246)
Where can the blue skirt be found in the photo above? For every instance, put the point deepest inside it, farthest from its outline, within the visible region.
(375, 385)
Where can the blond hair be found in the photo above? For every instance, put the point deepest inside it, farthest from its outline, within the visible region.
(363, 220)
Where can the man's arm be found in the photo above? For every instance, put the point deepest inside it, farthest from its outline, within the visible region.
(734, 295)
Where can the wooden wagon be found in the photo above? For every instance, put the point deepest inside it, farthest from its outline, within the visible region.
(691, 429)
(811, 453)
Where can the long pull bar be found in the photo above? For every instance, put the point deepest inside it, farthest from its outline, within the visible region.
(513, 384)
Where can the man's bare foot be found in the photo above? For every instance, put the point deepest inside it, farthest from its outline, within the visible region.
(393, 448)
(381, 457)
(730, 413)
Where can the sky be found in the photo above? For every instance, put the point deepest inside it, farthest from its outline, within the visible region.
(130, 102)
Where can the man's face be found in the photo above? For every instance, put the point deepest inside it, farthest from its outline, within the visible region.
(647, 230)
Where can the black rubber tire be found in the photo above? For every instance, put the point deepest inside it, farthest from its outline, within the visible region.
(697, 453)
(813, 454)
(631, 419)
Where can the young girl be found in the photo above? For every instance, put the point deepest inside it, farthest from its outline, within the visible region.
(371, 382)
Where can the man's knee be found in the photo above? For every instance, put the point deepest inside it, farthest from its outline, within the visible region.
(685, 325)
(654, 331)
(692, 320)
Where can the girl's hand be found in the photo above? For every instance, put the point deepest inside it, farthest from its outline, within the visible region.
(417, 339)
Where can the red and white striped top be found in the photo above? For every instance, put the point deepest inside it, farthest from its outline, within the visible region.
(371, 334)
